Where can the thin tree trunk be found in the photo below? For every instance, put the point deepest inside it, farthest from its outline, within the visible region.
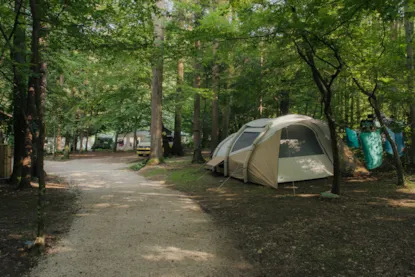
(226, 113)
(59, 138)
(177, 148)
(226, 110)
(409, 34)
(156, 152)
(358, 111)
(205, 126)
(41, 103)
(346, 107)
(261, 93)
(81, 141)
(19, 93)
(31, 113)
(135, 140)
(74, 142)
(352, 96)
(87, 141)
(327, 96)
(375, 105)
(114, 146)
(37, 84)
(215, 104)
(197, 141)
(66, 149)
(166, 145)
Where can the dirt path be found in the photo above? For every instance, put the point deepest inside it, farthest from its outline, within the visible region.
(129, 226)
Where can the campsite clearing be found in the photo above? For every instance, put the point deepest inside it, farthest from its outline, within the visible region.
(367, 232)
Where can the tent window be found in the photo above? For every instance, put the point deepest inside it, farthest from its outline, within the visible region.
(298, 141)
(245, 140)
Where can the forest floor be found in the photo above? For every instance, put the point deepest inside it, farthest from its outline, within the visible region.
(368, 231)
(18, 211)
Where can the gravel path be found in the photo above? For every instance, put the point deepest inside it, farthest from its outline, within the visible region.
(129, 226)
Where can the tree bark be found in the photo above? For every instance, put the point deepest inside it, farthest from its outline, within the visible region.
(59, 138)
(87, 141)
(32, 129)
(352, 96)
(66, 149)
(197, 140)
(226, 107)
(81, 141)
(409, 33)
(74, 142)
(19, 95)
(156, 152)
(205, 125)
(375, 105)
(215, 104)
(114, 146)
(324, 86)
(166, 145)
(135, 140)
(177, 148)
(37, 85)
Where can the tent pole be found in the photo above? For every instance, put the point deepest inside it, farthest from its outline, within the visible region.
(251, 150)
(228, 151)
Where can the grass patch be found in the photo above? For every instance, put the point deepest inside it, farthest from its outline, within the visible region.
(366, 232)
(138, 166)
(151, 171)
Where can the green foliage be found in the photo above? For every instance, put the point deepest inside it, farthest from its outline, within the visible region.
(138, 166)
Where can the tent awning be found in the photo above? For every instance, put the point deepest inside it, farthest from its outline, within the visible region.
(215, 161)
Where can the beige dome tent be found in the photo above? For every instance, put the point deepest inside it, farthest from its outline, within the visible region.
(276, 150)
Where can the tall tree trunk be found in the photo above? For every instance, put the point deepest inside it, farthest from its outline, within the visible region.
(346, 107)
(59, 135)
(67, 148)
(261, 92)
(156, 152)
(135, 140)
(177, 148)
(324, 86)
(409, 33)
(114, 146)
(352, 96)
(205, 126)
(358, 110)
(32, 129)
(166, 145)
(74, 142)
(59, 138)
(19, 94)
(37, 84)
(197, 140)
(87, 141)
(226, 109)
(41, 103)
(226, 113)
(215, 104)
(81, 141)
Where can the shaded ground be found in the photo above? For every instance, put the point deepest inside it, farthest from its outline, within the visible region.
(129, 226)
(120, 156)
(369, 231)
(18, 222)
